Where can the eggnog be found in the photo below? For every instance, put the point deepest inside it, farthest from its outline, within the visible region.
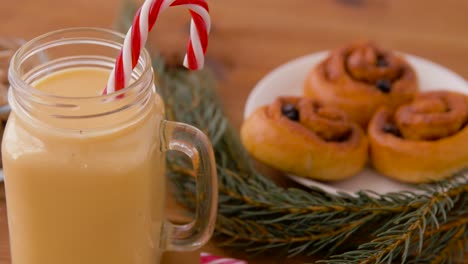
(84, 189)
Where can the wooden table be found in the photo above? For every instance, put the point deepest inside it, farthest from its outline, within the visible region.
(250, 38)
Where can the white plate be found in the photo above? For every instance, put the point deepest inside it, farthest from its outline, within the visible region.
(288, 79)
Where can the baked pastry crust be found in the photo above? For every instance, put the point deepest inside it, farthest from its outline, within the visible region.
(361, 77)
(423, 141)
(322, 144)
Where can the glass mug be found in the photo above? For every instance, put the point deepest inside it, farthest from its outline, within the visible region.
(84, 176)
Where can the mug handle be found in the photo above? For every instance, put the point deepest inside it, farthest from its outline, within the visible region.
(195, 144)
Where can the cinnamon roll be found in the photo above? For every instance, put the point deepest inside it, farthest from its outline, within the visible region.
(303, 137)
(421, 141)
(361, 77)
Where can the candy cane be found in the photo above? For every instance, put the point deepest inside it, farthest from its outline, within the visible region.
(137, 36)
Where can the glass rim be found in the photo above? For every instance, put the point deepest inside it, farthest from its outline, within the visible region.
(16, 60)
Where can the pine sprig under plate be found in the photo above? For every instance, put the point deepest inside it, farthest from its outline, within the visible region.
(256, 215)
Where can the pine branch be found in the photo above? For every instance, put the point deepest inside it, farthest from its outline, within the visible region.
(454, 247)
(396, 241)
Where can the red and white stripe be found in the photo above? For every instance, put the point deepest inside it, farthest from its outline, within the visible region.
(206, 258)
(137, 36)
